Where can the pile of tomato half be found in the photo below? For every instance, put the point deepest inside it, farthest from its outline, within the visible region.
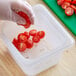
(26, 40)
(68, 5)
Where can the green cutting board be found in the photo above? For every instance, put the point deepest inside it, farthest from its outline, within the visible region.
(69, 21)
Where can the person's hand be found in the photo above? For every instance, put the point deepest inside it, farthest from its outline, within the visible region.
(7, 13)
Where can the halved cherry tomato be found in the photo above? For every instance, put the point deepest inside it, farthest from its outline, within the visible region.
(68, 1)
(27, 25)
(74, 7)
(41, 34)
(33, 32)
(60, 2)
(29, 44)
(26, 34)
(65, 5)
(73, 2)
(26, 17)
(69, 11)
(21, 47)
(22, 37)
(36, 39)
(15, 42)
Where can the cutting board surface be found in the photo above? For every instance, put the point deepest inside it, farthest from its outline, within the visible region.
(69, 21)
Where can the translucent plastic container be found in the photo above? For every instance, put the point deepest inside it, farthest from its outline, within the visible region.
(44, 54)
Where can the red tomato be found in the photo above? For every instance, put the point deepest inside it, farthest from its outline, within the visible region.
(15, 42)
(33, 32)
(65, 5)
(73, 6)
(73, 2)
(36, 39)
(68, 1)
(27, 25)
(29, 44)
(26, 17)
(41, 34)
(21, 47)
(26, 34)
(69, 11)
(60, 2)
(22, 37)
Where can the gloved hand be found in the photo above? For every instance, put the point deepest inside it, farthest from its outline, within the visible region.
(8, 8)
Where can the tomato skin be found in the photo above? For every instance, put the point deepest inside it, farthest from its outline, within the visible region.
(65, 5)
(36, 39)
(41, 34)
(29, 43)
(22, 37)
(26, 34)
(27, 25)
(68, 1)
(74, 7)
(60, 2)
(26, 17)
(33, 32)
(69, 11)
(15, 42)
(21, 47)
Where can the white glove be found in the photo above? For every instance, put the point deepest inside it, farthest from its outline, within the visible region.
(7, 13)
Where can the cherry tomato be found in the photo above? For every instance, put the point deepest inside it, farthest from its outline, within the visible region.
(22, 37)
(36, 39)
(21, 47)
(27, 25)
(29, 44)
(69, 11)
(15, 42)
(68, 1)
(26, 17)
(33, 32)
(60, 2)
(41, 34)
(26, 34)
(73, 6)
(65, 5)
(73, 2)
